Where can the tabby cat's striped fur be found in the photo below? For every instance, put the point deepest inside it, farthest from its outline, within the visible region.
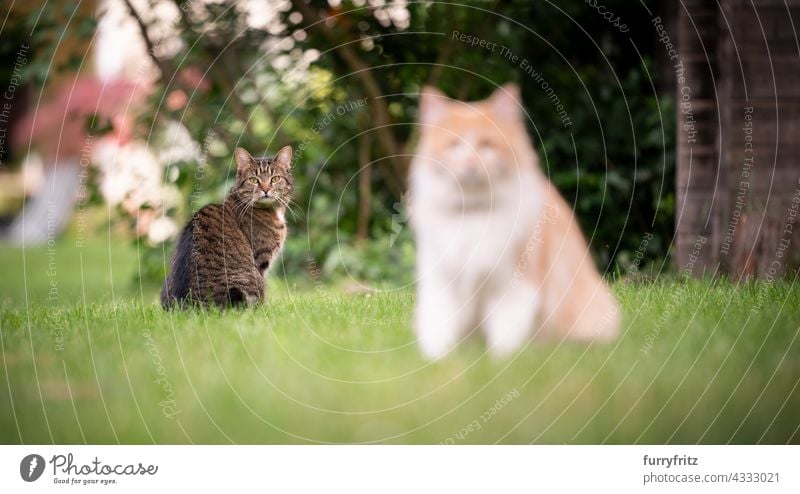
(225, 250)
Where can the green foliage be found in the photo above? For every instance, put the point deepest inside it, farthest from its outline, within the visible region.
(610, 152)
(604, 131)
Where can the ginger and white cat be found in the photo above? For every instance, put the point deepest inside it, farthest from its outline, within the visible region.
(498, 249)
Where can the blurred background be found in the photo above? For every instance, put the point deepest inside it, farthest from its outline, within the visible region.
(120, 117)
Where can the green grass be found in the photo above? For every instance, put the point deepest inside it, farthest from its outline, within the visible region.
(317, 365)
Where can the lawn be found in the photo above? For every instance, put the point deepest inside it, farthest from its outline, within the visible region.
(88, 356)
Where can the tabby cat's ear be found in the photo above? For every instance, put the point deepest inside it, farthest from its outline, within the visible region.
(506, 101)
(243, 160)
(284, 157)
(432, 105)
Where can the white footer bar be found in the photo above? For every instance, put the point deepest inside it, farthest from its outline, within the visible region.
(400, 469)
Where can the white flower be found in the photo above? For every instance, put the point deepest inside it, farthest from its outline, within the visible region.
(161, 229)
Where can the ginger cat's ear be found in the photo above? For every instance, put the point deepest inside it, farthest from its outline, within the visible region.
(506, 101)
(284, 157)
(432, 105)
(243, 160)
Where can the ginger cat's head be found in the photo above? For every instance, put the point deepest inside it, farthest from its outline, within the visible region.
(473, 146)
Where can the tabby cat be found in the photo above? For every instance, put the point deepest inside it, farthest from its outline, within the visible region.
(498, 248)
(225, 250)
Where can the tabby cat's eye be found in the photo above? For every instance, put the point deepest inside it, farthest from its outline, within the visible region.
(252, 180)
(275, 180)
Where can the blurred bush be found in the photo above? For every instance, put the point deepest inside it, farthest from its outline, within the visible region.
(296, 72)
(613, 160)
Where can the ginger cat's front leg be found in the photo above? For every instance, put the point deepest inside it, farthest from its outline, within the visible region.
(510, 318)
(441, 317)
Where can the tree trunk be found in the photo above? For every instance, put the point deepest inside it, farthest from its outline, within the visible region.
(738, 115)
(364, 187)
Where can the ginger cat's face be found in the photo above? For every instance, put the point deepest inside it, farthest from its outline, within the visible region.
(471, 146)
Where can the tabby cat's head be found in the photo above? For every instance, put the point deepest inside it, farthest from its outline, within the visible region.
(263, 182)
